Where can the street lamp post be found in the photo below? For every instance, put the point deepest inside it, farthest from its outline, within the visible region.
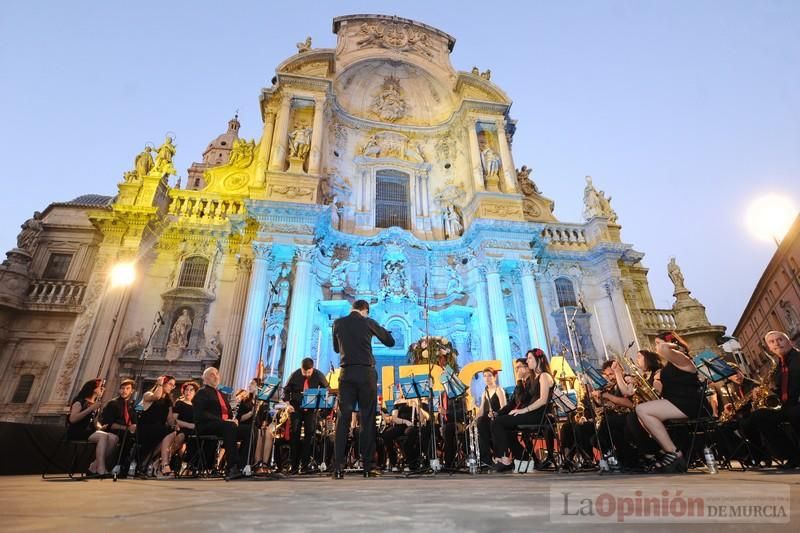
(122, 276)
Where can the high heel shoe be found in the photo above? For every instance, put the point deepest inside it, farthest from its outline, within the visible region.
(671, 463)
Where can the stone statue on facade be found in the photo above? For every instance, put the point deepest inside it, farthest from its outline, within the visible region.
(300, 142)
(338, 277)
(283, 286)
(455, 285)
(134, 342)
(215, 345)
(486, 74)
(395, 283)
(179, 335)
(596, 204)
(491, 162)
(453, 226)
(475, 71)
(163, 163)
(242, 153)
(31, 228)
(389, 103)
(526, 184)
(675, 275)
(144, 162)
(304, 46)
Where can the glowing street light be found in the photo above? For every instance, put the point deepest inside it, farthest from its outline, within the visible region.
(123, 275)
(770, 217)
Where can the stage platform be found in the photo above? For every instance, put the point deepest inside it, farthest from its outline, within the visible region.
(444, 503)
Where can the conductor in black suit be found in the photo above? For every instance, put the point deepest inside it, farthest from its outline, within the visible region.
(358, 382)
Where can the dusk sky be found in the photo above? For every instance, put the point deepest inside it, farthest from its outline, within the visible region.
(682, 111)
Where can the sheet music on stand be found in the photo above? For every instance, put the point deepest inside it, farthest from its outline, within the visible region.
(452, 384)
(317, 399)
(713, 367)
(267, 391)
(415, 387)
(597, 380)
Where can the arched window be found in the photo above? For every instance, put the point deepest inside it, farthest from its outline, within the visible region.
(565, 291)
(193, 272)
(391, 200)
(23, 389)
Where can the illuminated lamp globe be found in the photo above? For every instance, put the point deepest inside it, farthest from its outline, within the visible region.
(769, 218)
(123, 274)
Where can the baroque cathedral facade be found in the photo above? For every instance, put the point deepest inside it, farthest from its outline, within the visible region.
(382, 173)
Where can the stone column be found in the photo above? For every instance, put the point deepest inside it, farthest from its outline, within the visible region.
(315, 153)
(497, 312)
(277, 159)
(533, 311)
(475, 156)
(484, 322)
(509, 174)
(426, 196)
(230, 347)
(250, 343)
(264, 147)
(364, 274)
(298, 310)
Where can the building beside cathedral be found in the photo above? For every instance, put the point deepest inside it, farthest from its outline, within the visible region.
(382, 173)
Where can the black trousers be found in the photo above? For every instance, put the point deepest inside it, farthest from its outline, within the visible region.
(302, 419)
(390, 436)
(485, 438)
(504, 425)
(411, 447)
(769, 423)
(451, 435)
(229, 433)
(357, 384)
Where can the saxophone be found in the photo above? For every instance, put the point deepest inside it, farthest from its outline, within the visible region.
(763, 398)
(277, 430)
(643, 391)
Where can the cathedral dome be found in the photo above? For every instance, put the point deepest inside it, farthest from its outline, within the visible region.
(218, 150)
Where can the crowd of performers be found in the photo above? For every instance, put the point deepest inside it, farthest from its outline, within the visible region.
(645, 419)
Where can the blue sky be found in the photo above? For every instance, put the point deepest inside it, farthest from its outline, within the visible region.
(682, 111)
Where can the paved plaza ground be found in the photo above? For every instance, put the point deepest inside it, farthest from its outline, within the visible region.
(490, 502)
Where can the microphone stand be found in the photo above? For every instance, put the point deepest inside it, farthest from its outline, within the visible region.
(247, 471)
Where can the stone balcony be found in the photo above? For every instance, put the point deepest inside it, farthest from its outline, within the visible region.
(568, 235)
(56, 295)
(657, 320)
(198, 207)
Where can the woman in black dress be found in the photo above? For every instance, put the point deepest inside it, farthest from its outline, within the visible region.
(492, 400)
(155, 430)
(184, 415)
(81, 424)
(681, 398)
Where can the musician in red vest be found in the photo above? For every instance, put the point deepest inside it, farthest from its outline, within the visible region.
(213, 416)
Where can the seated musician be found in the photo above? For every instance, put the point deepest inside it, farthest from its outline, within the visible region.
(528, 406)
(302, 379)
(184, 416)
(785, 383)
(119, 417)
(212, 415)
(682, 398)
(156, 425)
(398, 422)
(245, 412)
(616, 404)
(82, 425)
(418, 434)
(493, 400)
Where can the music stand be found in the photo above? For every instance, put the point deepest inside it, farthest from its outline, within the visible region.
(316, 399)
(267, 391)
(598, 380)
(714, 369)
